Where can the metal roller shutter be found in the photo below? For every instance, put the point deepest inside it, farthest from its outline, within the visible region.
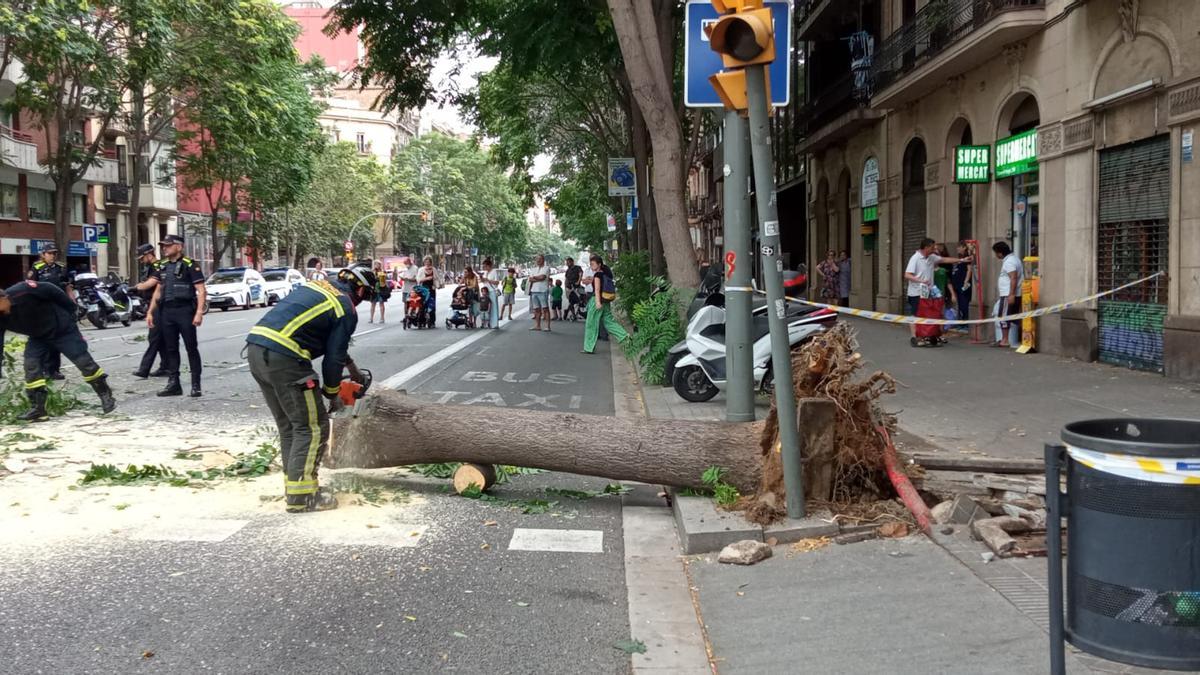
(1134, 205)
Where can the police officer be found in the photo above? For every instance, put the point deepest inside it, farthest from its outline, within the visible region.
(145, 288)
(43, 312)
(49, 270)
(314, 320)
(179, 295)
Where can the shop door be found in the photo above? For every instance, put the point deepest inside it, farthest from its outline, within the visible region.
(1135, 195)
(913, 224)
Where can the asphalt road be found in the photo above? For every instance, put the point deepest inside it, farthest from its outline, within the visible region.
(452, 585)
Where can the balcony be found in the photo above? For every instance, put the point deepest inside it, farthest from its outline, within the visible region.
(18, 150)
(819, 18)
(158, 198)
(836, 112)
(104, 170)
(947, 38)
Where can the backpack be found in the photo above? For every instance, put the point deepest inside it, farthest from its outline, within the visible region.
(608, 289)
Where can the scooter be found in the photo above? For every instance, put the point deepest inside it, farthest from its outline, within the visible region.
(701, 373)
(100, 308)
(124, 300)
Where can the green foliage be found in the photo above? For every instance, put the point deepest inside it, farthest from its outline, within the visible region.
(631, 272)
(244, 465)
(442, 470)
(13, 401)
(147, 473)
(659, 327)
(725, 494)
(630, 646)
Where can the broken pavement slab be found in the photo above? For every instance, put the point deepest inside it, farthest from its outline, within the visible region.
(704, 528)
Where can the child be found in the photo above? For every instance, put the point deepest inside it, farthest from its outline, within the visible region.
(508, 289)
(485, 308)
(556, 298)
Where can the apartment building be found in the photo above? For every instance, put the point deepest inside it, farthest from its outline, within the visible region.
(1063, 127)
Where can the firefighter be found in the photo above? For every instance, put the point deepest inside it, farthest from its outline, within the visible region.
(49, 270)
(147, 261)
(313, 321)
(44, 313)
(179, 297)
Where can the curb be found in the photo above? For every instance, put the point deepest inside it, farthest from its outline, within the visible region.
(702, 528)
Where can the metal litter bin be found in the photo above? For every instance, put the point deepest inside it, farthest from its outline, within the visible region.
(1133, 540)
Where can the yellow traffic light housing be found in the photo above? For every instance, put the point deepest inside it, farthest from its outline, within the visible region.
(731, 88)
(424, 216)
(744, 38)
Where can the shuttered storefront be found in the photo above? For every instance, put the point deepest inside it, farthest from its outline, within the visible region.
(1135, 197)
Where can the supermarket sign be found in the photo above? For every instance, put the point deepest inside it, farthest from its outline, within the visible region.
(972, 163)
(1017, 154)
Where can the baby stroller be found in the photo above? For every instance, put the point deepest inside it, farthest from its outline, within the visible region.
(419, 309)
(576, 305)
(460, 302)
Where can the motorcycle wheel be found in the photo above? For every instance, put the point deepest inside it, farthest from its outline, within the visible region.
(693, 385)
(96, 321)
(126, 322)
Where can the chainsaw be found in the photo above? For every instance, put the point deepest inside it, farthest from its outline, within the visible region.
(351, 392)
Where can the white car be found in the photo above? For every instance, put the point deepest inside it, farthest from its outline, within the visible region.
(236, 287)
(280, 281)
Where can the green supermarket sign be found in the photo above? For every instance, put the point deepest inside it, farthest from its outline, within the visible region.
(1016, 154)
(972, 163)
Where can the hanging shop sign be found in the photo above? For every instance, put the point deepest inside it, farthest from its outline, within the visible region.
(870, 213)
(1017, 154)
(971, 163)
(869, 194)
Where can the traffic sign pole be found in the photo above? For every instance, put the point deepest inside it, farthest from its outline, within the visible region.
(781, 353)
(739, 396)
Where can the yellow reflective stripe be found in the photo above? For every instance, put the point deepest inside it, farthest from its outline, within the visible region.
(300, 487)
(333, 298)
(332, 390)
(276, 336)
(304, 317)
(314, 428)
(96, 375)
(1191, 480)
(1150, 465)
(36, 384)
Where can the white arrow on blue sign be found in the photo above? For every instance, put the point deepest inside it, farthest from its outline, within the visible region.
(700, 61)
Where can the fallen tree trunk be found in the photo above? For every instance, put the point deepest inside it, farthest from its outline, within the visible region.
(394, 429)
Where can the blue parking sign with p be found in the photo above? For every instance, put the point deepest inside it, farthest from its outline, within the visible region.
(700, 62)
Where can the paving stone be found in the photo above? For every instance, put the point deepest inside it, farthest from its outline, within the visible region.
(704, 529)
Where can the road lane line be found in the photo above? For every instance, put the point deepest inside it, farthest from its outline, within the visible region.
(557, 541)
(403, 377)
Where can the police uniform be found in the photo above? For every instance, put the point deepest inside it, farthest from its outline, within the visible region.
(45, 314)
(51, 273)
(177, 299)
(313, 321)
(154, 336)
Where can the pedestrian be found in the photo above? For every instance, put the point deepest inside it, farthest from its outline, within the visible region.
(43, 312)
(471, 282)
(145, 288)
(844, 278)
(313, 321)
(179, 295)
(960, 281)
(490, 282)
(49, 271)
(406, 277)
(1008, 285)
(508, 288)
(316, 269)
(919, 274)
(572, 274)
(486, 307)
(539, 294)
(828, 269)
(381, 295)
(600, 312)
(556, 299)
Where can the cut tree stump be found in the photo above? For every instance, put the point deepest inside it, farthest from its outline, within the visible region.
(394, 429)
(482, 476)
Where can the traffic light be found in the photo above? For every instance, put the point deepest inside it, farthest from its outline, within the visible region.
(424, 216)
(731, 88)
(745, 35)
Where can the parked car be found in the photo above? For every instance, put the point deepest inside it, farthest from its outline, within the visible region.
(236, 287)
(280, 281)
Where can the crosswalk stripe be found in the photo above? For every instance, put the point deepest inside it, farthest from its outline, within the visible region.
(557, 541)
(189, 529)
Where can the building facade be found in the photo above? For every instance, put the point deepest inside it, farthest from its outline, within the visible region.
(1062, 127)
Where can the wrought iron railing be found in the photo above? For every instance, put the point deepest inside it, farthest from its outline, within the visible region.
(935, 28)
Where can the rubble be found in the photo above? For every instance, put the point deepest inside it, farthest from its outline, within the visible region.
(745, 552)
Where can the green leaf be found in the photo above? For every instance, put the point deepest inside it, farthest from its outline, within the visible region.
(630, 646)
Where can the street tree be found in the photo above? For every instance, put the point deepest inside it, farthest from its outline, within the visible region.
(73, 58)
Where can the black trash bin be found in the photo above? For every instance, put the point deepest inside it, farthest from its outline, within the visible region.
(1133, 540)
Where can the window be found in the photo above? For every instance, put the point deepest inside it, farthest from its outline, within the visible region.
(41, 204)
(8, 201)
(360, 139)
(122, 166)
(78, 208)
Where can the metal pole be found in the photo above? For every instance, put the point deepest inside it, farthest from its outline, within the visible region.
(739, 393)
(1054, 561)
(781, 353)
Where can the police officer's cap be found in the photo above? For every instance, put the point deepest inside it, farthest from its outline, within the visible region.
(50, 248)
(144, 249)
(171, 239)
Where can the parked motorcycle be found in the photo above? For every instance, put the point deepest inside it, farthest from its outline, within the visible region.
(124, 299)
(100, 308)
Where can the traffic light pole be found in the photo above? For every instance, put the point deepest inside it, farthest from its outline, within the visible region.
(739, 395)
(781, 353)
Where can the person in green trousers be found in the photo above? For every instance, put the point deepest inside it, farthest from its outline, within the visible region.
(604, 292)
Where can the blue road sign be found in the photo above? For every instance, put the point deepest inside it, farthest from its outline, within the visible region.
(102, 233)
(90, 234)
(700, 61)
